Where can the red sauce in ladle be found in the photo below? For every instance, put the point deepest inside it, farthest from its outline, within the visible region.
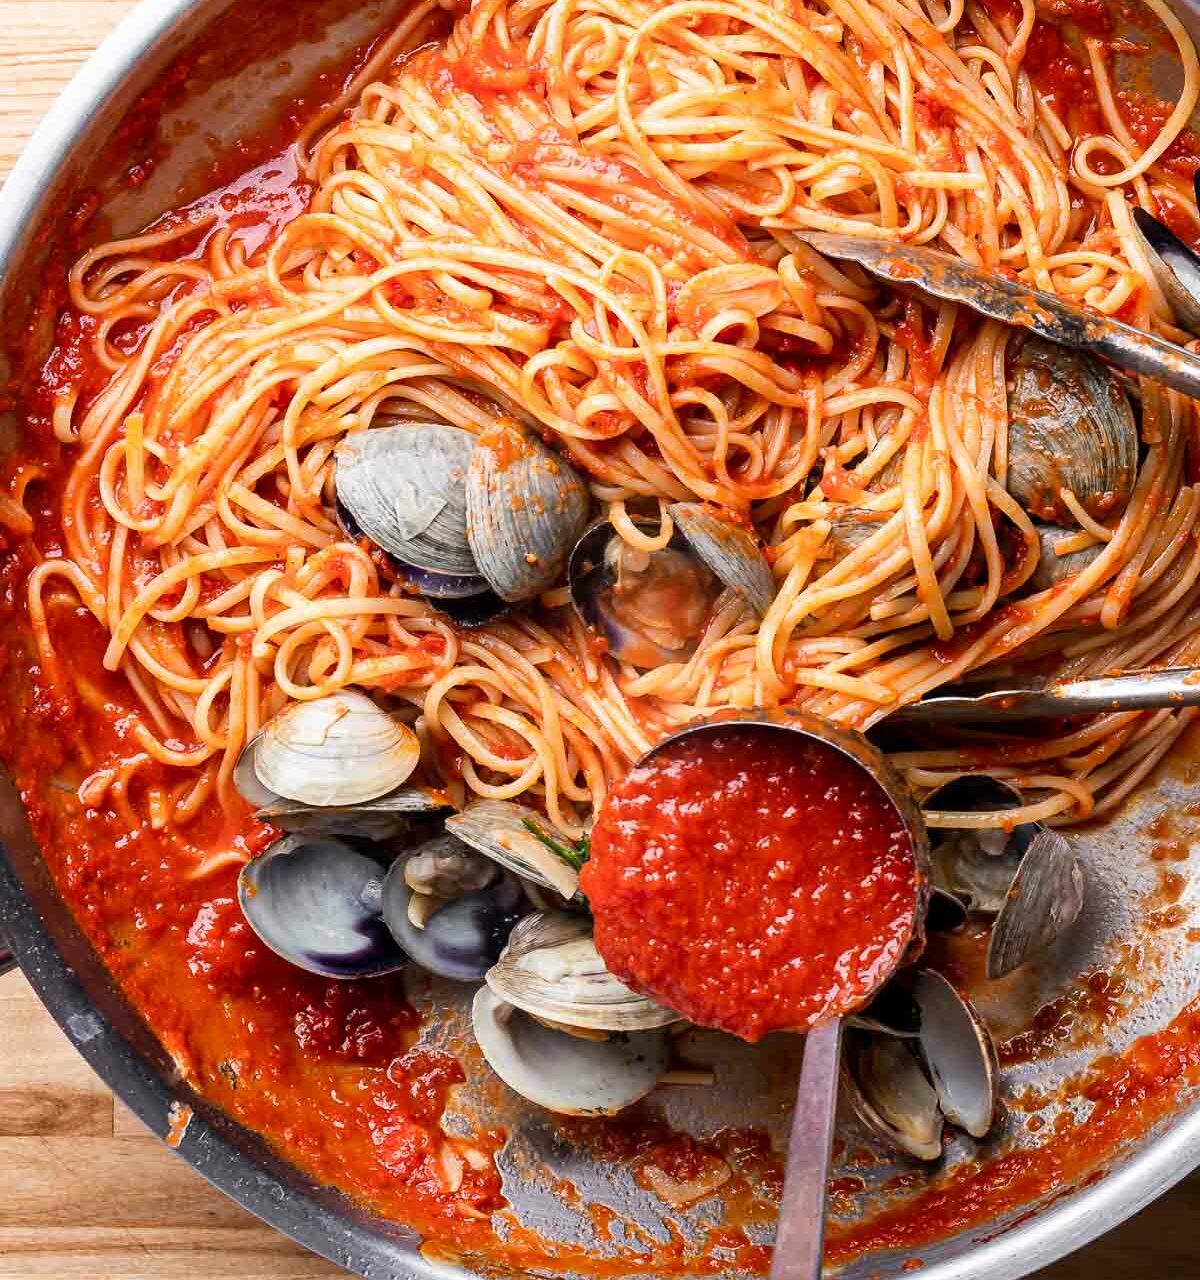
(754, 879)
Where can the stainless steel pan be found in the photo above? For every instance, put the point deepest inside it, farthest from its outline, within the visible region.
(69, 152)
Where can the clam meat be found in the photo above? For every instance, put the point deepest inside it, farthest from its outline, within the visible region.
(651, 607)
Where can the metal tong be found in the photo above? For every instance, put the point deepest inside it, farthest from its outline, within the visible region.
(1018, 305)
(1129, 691)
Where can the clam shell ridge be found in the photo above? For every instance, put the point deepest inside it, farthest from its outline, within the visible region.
(525, 509)
(404, 487)
(1070, 427)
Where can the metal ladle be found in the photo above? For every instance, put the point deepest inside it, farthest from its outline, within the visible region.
(800, 1235)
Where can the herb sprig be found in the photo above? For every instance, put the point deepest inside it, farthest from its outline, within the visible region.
(574, 855)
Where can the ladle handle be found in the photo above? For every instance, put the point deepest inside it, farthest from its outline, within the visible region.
(1135, 691)
(800, 1236)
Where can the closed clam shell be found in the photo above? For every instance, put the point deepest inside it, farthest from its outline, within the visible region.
(404, 487)
(730, 550)
(499, 829)
(338, 750)
(552, 970)
(526, 507)
(561, 1072)
(1070, 426)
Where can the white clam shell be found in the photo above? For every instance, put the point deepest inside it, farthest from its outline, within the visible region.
(497, 828)
(552, 970)
(561, 1072)
(338, 750)
(959, 1052)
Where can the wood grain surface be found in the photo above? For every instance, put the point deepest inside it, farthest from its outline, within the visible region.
(85, 1191)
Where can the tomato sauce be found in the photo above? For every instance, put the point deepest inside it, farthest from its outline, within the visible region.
(755, 882)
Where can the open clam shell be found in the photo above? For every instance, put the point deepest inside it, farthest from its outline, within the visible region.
(316, 903)
(526, 508)
(475, 905)
(907, 1088)
(405, 488)
(1176, 268)
(975, 866)
(1043, 901)
(959, 1052)
(563, 1073)
(552, 970)
(651, 607)
(341, 749)
(499, 829)
(883, 1081)
(729, 550)
(1070, 426)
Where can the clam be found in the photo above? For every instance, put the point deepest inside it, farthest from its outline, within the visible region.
(1027, 877)
(450, 908)
(404, 487)
(651, 607)
(526, 508)
(850, 527)
(471, 523)
(564, 1073)
(552, 971)
(385, 818)
(890, 1093)
(342, 749)
(730, 550)
(316, 903)
(501, 830)
(1070, 427)
(908, 1089)
(1176, 267)
(1044, 900)
(1053, 568)
(335, 766)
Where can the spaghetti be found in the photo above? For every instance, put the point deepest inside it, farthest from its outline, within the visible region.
(589, 214)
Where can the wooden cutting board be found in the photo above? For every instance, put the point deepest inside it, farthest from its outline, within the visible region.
(85, 1191)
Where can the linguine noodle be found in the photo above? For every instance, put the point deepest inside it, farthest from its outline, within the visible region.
(589, 215)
